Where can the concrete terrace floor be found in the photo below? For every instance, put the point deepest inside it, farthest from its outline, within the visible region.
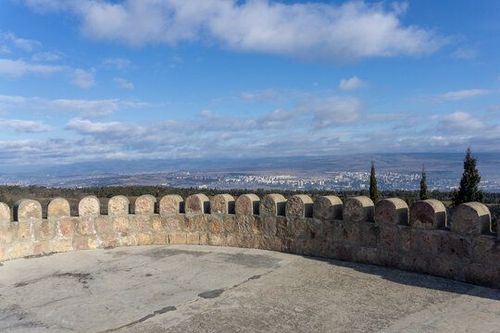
(211, 289)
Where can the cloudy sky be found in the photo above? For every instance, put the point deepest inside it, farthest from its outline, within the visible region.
(129, 79)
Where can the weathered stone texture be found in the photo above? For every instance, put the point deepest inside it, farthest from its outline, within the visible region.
(89, 206)
(145, 205)
(247, 204)
(428, 214)
(391, 211)
(328, 208)
(359, 209)
(471, 219)
(28, 210)
(118, 205)
(299, 206)
(5, 217)
(58, 207)
(298, 225)
(197, 204)
(272, 205)
(171, 204)
(222, 204)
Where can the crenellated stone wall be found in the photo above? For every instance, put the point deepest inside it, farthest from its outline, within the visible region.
(421, 238)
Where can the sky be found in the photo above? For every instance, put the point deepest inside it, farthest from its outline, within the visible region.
(87, 80)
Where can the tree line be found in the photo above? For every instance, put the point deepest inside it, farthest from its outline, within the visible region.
(468, 191)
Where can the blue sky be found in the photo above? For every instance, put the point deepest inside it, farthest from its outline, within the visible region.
(94, 79)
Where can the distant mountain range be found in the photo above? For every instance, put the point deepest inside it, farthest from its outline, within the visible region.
(445, 165)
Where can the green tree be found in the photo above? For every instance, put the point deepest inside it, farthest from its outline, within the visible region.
(469, 184)
(373, 184)
(423, 185)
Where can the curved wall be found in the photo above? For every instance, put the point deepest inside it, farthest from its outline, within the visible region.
(421, 238)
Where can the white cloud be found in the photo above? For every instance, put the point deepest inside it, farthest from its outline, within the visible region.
(86, 107)
(47, 56)
(24, 126)
(463, 94)
(17, 68)
(123, 83)
(12, 100)
(107, 129)
(333, 110)
(27, 45)
(465, 53)
(344, 32)
(462, 121)
(352, 83)
(84, 79)
(116, 63)
(265, 95)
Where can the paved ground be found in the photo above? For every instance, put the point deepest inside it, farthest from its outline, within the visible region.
(209, 289)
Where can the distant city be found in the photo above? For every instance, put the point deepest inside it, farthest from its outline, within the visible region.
(394, 172)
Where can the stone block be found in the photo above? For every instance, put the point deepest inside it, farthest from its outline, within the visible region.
(451, 244)
(247, 204)
(471, 219)
(328, 208)
(28, 210)
(222, 204)
(359, 209)
(25, 231)
(89, 206)
(299, 207)
(272, 205)
(5, 217)
(66, 227)
(105, 229)
(391, 211)
(118, 205)
(44, 230)
(58, 207)
(427, 242)
(197, 204)
(428, 214)
(85, 226)
(171, 204)
(145, 205)
(123, 225)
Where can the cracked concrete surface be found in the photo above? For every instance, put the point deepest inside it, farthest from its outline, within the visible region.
(212, 289)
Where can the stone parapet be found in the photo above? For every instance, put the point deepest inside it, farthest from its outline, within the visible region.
(418, 238)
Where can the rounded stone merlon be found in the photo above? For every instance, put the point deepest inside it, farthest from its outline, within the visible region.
(118, 205)
(471, 219)
(223, 204)
(272, 205)
(299, 206)
(26, 210)
(247, 204)
(89, 206)
(171, 204)
(328, 208)
(58, 207)
(391, 211)
(359, 209)
(145, 205)
(428, 214)
(197, 204)
(4, 213)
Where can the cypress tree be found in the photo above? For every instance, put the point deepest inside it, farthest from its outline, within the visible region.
(373, 184)
(469, 184)
(423, 185)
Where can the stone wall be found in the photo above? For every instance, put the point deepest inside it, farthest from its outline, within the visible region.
(419, 238)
